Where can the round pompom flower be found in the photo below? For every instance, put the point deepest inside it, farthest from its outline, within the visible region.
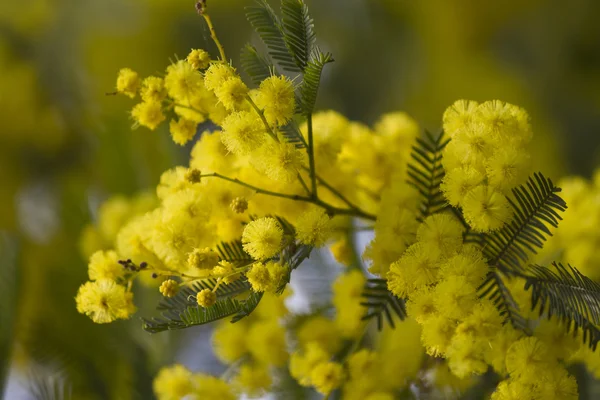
(206, 298)
(266, 277)
(104, 301)
(105, 265)
(528, 357)
(313, 227)
(262, 238)
(276, 99)
(198, 59)
(148, 114)
(242, 132)
(183, 130)
(485, 209)
(169, 288)
(232, 93)
(128, 82)
(327, 376)
(442, 232)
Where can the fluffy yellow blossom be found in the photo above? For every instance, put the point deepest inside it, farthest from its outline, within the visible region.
(437, 334)
(459, 116)
(105, 265)
(342, 251)
(173, 383)
(239, 205)
(529, 358)
(217, 74)
(321, 330)
(313, 227)
(104, 301)
(169, 288)
(266, 343)
(418, 266)
(148, 114)
(421, 304)
(204, 258)
(441, 232)
(226, 271)
(182, 81)
(485, 209)
(153, 89)
(128, 82)
(277, 100)
(266, 277)
(262, 238)
(210, 387)
(253, 379)
(455, 297)
(302, 363)
(229, 340)
(507, 168)
(232, 93)
(327, 377)
(206, 298)
(243, 132)
(280, 161)
(182, 130)
(198, 59)
(468, 263)
(458, 182)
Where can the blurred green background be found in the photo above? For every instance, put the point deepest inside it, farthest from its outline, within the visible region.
(65, 145)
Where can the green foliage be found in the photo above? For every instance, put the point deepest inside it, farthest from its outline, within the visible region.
(269, 28)
(425, 172)
(188, 316)
(234, 253)
(298, 29)
(292, 134)
(568, 295)
(186, 297)
(380, 301)
(536, 206)
(255, 65)
(312, 80)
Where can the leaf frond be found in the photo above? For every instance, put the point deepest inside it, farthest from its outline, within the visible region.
(568, 295)
(255, 65)
(536, 206)
(380, 302)
(298, 28)
(269, 28)
(425, 172)
(234, 253)
(186, 297)
(495, 289)
(312, 80)
(292, 135)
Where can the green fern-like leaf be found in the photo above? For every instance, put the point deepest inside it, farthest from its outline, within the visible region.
(425, 172)
(570, 296)
(234, 253)
(247, 306)
(312, 80)
(256, 66)
(380, 301)
(269, 28)
(292, 134)
(494, 288)
(186, 297)
(192, 316)
(298, 28)
(536, 206)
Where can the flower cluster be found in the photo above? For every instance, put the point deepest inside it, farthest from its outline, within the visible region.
(270, 181)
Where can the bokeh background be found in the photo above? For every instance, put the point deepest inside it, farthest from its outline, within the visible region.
(65, 146)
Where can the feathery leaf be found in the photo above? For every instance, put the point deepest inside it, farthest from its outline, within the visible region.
(425, 172)
(269, 28)
(568, 295)
(380, 301)
(298, 31)
(312, 80)
(186, 297)
(256, 66)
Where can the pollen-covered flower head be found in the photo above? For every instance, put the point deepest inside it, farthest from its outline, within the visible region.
(148, 114)
(182, 130)
(232, 93)
(459, 116)
(266, 277)
(128, 82)
(105, 265)
(458, 182)
(314, 227)
(441, 232)
(104, 301)
(280, 161)
(198, 59)
(276, 98)
(486, 209)
(217, 74)
(243, 132)
(327, 376)
(206, 298)
(153, 89)
(262, 238)
(183, 81)
(507, 168)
